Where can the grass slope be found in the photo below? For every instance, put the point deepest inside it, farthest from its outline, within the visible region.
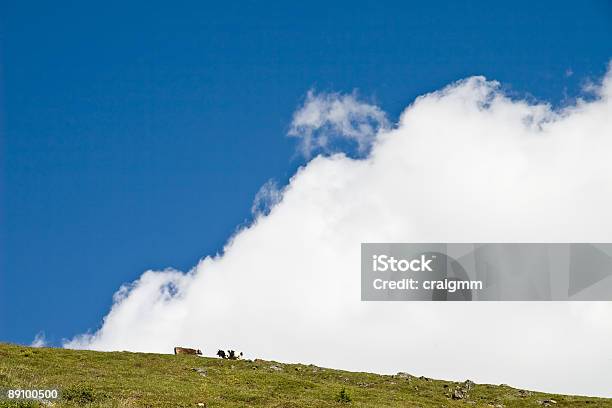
(122, 379)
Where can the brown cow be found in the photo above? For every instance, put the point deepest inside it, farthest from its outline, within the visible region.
(183, 350)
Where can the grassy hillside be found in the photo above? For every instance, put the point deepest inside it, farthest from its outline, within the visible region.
(123, 379)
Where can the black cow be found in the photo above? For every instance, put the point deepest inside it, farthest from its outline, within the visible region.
(232, 355)
(229, 355)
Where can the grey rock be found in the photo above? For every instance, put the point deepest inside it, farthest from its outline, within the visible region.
(275, 368)
(404, 376)
(201, 371)
(458, 394)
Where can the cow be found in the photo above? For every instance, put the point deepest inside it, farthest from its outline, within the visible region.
(183, 350)
(231, 355)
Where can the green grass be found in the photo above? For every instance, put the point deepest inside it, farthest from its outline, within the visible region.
(122, 379)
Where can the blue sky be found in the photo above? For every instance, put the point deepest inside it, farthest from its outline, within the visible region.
(136, 136)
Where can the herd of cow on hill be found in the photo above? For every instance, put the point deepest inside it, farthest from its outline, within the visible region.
(229, 354)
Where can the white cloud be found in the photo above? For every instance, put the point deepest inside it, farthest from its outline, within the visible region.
(325, 119)
(39, 340)
(464, 164)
